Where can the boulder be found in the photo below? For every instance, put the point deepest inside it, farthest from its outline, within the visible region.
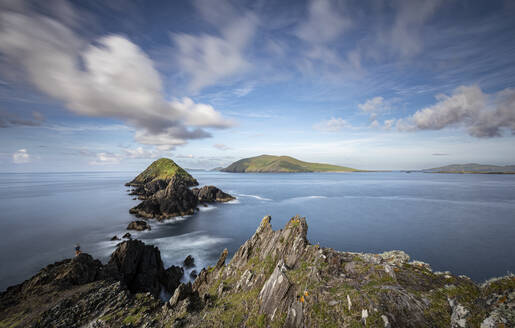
(210, 194)
(193, 274)
(127, 235)
(172, 278)
(114, 238)
(189, 261)
(138, 225)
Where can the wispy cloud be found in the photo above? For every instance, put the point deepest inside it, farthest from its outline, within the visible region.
(334, 124)
(21, 156)
(221, 147)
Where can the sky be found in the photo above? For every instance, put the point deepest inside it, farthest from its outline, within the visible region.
(114, 85)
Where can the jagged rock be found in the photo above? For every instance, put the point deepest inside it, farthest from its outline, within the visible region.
(172, 277)
(459, 314)
(127, 235)
(115, 238)
(175, 200)
(210, 194)
(138, 225)
(193, 274)
(185, 293)
(189, 261)
(276, 293)
(222, 258)
(138, 265)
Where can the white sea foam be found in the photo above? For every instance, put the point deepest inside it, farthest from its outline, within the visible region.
(295, 199)
(254, 196)
(207, 208)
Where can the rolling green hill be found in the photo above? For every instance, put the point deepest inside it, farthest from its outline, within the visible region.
(279, 164)
(163, 168)
(472, 168)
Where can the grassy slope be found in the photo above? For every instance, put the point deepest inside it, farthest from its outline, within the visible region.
(162, 168)
(473, 168)
(269, 163)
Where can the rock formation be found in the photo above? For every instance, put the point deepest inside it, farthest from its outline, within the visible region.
(138, 225)
(211, 194)
(275, 279)
(168, 194)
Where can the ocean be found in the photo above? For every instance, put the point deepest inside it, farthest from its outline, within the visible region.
(463, 223)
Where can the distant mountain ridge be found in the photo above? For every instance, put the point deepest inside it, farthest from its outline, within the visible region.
(473, 168)
(281, 164)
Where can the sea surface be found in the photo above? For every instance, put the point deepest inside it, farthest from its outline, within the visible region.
(457, 222)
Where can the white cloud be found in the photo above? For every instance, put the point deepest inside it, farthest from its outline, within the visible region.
(21, 156)
(324, 24)
(485, 115)
(388, 124)
(118, 79)
(332, 125)
(405, 38)
(208, 58)
(106, 159)
(241, 92)
(221, 147)
(373, 105)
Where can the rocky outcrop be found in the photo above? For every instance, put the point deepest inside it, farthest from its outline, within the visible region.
(175, 200)
(211, 194)
(138, 225)
(275, 279)
(189, 261)
(164, 189)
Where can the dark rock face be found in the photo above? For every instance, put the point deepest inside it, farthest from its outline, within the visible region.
(189, 261)
(138, 265)
(146, 190)
(172, 277)
(210, 194)
(115, 238)
(127, 235)
(138, 225)
(175, 200)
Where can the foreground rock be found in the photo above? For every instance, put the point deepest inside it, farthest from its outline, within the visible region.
(165, 190)
(276, 279)
(138, 225)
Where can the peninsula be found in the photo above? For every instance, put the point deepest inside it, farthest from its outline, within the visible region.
(473, 168)
(275, 279)
(281, 164)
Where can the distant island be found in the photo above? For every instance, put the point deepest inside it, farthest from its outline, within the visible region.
(281, 164)
(473, 168)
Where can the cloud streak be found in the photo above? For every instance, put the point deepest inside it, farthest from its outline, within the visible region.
(111, 77)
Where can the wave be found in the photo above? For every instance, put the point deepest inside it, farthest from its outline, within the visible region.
(305, 198)
(206, 208)
(234, 201)
(254, 196)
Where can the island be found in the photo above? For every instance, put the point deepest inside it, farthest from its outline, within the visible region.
(275, 279)
(281, 164)
(473, 168)
(165, 190)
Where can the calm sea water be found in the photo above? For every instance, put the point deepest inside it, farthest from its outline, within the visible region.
(461, 223)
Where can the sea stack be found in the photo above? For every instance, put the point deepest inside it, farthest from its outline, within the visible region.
(164, 188)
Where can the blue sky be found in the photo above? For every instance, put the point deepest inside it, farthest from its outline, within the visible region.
(95, 85)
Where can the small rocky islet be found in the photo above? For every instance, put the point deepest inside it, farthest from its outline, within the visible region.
(165, 190)
(275, 279)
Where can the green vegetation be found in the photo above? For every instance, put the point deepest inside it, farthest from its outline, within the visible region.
(473, 168)
(163, 168)
(269, 163)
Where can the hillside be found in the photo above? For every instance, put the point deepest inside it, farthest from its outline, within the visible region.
(280, 164)
(472, 168)
(162, 169)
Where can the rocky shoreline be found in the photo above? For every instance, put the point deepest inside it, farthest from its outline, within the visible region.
(275, 279)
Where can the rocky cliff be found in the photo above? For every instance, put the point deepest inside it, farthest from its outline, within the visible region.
(276, 279)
